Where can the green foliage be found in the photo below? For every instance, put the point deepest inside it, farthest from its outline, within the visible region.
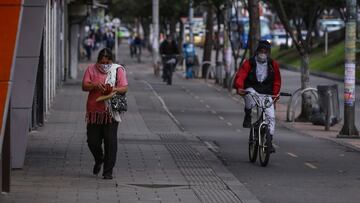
(128, 10)
(333, 62)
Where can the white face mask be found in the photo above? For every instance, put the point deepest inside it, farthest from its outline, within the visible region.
(105, 66)
(261, 57)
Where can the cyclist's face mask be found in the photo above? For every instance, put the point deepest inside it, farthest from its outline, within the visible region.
(262, 56)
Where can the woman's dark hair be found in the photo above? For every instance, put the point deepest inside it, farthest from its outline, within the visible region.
(106, 52)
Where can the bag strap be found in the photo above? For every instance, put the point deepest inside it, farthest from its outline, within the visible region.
(116, 76)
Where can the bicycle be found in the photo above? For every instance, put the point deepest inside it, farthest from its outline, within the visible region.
(259, 130)
(169, 65)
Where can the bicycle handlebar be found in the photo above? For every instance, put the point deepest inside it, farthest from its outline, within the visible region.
(256, 97)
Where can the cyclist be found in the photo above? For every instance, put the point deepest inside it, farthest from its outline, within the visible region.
(169, 52)
(261, 75)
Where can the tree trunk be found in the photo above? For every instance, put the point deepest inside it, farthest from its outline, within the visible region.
(208, 38)
(254, 32)
(218, 20)
(306, 104)
(181, 37)
(173, 27)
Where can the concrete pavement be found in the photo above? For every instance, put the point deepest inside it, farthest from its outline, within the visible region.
(157, 161)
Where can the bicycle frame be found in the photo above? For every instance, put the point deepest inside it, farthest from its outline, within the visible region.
(259, 130)
(262, 121)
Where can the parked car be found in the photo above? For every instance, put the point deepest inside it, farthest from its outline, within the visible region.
(279, 38)
(124, 32)
(330, 25)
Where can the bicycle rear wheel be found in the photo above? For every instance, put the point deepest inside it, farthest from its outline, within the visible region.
(253, 146)
(264, 154)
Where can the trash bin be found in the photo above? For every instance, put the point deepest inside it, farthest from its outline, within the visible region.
(328, 102)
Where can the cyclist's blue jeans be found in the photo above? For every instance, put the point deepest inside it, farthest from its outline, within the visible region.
(269, 112)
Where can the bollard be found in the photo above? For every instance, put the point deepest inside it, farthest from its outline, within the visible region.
(328, 110)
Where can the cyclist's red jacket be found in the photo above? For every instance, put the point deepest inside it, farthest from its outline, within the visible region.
(246, 77)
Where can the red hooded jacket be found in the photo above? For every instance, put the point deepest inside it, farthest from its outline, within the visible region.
(244, 71)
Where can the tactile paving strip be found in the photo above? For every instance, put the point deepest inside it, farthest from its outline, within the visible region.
(201, 177)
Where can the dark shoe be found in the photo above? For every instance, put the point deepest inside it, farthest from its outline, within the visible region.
(247, 119)
(108, 177)
(269, 144)
(97, 168)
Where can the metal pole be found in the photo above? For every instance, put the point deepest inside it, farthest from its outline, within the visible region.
(349, 129)
(191, 21)
(326, 41)
(155, 42)
(116, 44)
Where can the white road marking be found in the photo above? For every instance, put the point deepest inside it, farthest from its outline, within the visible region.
(229, 124)
(221, 118)
(213, 112)
(207, 106)
(163, 103)
(310, 165)
(238, 130)
(202, 101)
(211, 147)
(292, 155)
(276, 146)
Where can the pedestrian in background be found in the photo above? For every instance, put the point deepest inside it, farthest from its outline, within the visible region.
(190, 57)
(102, 123)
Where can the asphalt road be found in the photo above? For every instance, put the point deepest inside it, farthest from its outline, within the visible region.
(304, 169)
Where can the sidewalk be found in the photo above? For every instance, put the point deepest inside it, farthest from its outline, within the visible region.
(156, 162)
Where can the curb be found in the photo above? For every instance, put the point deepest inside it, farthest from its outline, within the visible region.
(340, 142)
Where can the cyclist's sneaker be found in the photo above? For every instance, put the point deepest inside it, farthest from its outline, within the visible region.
(247, 119)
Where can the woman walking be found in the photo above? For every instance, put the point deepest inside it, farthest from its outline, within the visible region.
(103, 78)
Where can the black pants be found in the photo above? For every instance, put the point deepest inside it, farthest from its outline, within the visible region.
(96, 134)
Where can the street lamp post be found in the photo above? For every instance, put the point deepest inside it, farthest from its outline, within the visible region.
(116, 22)
(349, 129)
(155, 38)
(191, 21)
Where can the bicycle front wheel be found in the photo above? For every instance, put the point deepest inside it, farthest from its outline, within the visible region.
(264, 154)
(253, 146)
